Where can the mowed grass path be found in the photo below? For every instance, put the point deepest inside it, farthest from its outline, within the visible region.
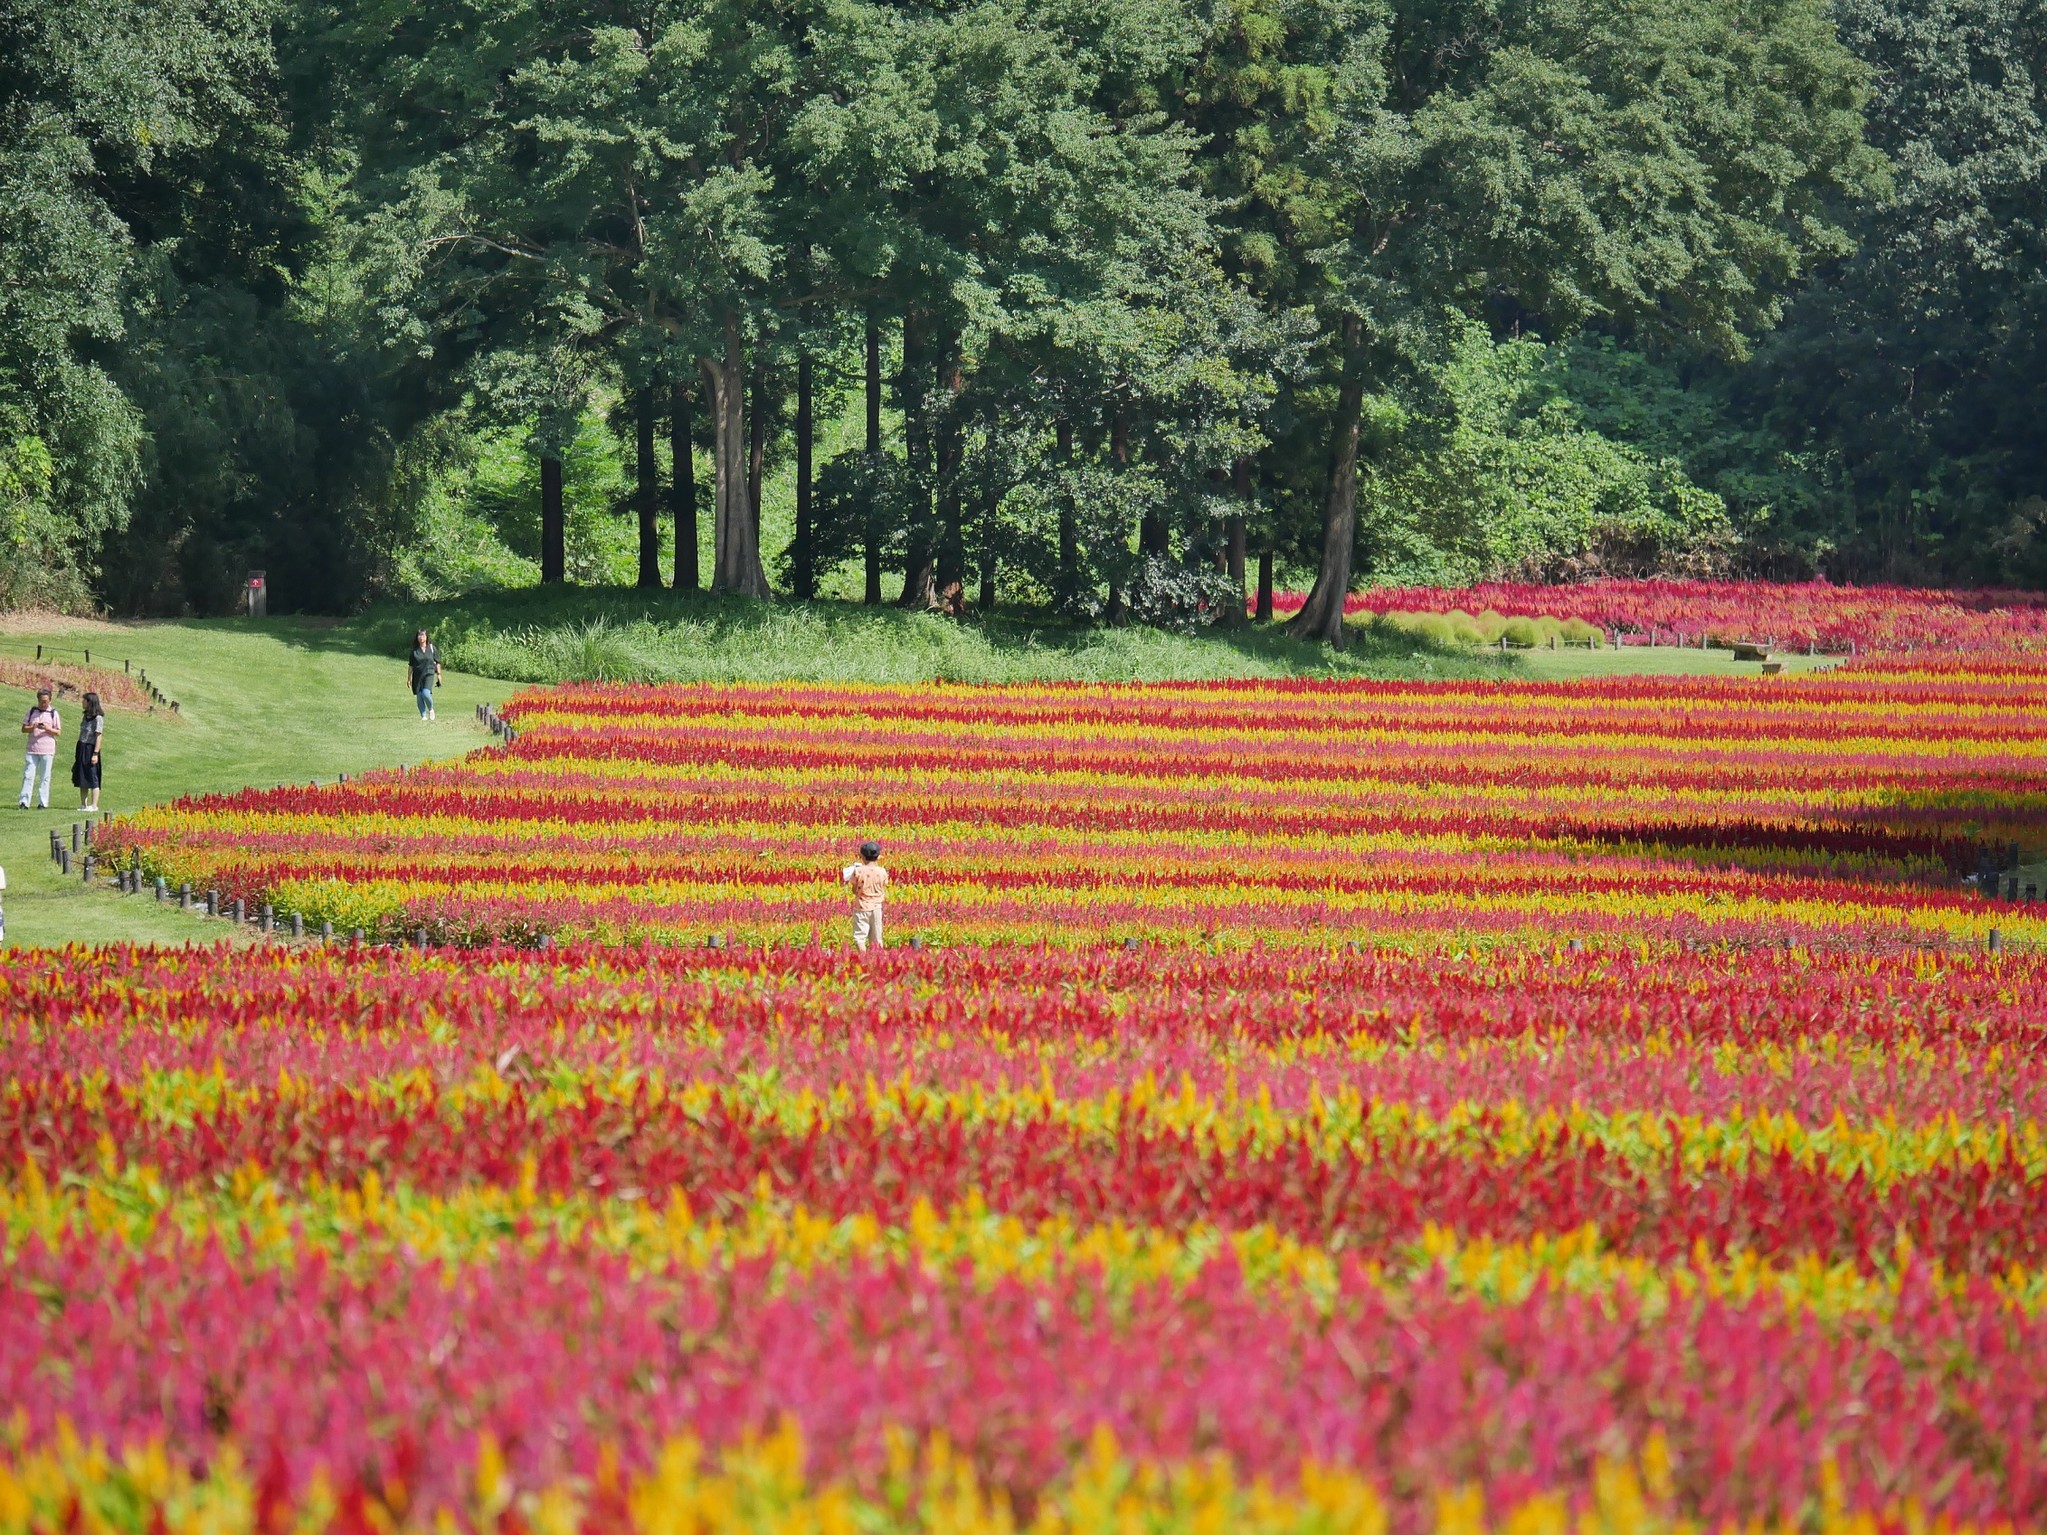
(290, 700)
(281, 701)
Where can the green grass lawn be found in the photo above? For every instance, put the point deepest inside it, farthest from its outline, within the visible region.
(289, 700)
(261, 703)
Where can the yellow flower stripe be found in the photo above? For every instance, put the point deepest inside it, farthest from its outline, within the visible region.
(759, 1487)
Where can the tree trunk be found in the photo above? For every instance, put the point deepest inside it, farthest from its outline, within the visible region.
(647, 492)
(805, 577)
(1119, 453)
(736, 534)
(1151, 528)
(757, 442)
(1265, 586)
(1069, 527)
(1234, 531)
(919, 567)
(950, 443)
(991, 507)
(872, 593)
(554, 564)
(1321, 617)
(682, 461)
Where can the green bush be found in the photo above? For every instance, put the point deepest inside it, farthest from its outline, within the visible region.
(1576, 631)
(1463, 628)
(1520, 633)
(1489, 625)
(1437, 630)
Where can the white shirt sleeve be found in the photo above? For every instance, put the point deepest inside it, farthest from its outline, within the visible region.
(846, 874)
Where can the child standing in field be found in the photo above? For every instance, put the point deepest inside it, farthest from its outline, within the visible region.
(868, 879)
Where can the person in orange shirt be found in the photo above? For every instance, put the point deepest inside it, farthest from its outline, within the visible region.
(868, 879)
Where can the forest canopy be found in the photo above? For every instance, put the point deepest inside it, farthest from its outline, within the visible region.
(1122, 308)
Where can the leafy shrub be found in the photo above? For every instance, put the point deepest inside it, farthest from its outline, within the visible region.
(1576, 631)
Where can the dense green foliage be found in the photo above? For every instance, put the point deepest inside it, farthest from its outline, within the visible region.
(1086, 305)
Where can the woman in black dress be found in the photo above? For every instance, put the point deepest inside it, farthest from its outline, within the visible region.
(85, 759)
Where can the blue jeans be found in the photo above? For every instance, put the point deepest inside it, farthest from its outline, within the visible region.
(29, 772)
(426, 702)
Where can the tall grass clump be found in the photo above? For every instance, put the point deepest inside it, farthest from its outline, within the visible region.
(630, 637)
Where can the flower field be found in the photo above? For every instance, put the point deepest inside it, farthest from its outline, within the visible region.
(1844, 807)
(1054, 1238)
(1403, 1108)
(1832, 618)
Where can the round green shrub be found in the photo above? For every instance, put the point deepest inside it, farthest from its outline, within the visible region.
(1576, 631)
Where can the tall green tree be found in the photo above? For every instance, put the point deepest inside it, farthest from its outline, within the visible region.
(97, 99)
(1668, 169)
(1915, 370)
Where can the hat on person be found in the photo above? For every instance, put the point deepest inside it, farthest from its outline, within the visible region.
(870, 850)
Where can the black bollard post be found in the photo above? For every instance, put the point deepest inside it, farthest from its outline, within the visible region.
(917, 943)
(213, 903)
(1130, 946)
(1996, 941)
(63, 860)
(355, 937)
(419, 938)
(241, 911)
(298, 924)
(185, 897)
(326, 932)
(2011, 888)
(715, 941)
(1577, 946)
(76, 844)
(266, 919)
(85, 869)
(163, 889)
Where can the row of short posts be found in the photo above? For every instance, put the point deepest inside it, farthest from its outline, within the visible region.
(156, 694)
(488, 716)
(133, 881)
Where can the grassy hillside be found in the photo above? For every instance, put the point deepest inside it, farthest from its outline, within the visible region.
(283, 701)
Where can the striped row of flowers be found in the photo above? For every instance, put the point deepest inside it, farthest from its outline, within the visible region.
(1841, 807)
(1835, 618)
(1055, 1237)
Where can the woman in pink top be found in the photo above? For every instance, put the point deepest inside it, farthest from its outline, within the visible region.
(868, 880)
(42, 725)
